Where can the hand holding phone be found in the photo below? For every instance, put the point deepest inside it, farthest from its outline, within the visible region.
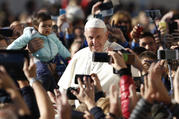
(104, 57)
(81, 77)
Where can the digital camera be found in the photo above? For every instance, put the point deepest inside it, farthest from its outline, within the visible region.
(168, 54)
(153, 13)
(104, 57)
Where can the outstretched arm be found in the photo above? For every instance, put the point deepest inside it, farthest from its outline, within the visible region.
(9, 86)
(43, 101)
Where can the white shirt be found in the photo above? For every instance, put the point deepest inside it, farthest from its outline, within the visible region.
(82, 63)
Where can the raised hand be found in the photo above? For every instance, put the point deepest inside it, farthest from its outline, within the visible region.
(96, 81)
(87, 115)
(118, 60)
(153, 85)
(95, 8)
(133, 96)
(137, 62)
(29, 70)
(63, 107)
(114, 101)
(35, 44)
(86, 93)
(5, 80)
(136, 32)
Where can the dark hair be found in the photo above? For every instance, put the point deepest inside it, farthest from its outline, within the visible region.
(147, 34)
(39, 17)
(148, 54)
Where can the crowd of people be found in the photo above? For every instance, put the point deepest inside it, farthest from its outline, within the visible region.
(106, 65)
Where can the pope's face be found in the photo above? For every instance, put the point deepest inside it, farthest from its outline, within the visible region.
(96, 38)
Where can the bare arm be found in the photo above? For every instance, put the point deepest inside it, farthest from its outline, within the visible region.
(43, 101)
(8, 85)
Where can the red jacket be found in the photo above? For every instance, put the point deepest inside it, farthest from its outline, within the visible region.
(125, 81)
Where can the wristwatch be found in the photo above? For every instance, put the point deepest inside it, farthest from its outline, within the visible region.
(32, 81)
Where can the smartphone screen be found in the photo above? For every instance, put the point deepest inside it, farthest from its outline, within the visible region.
(81, 77)
(13, 61)
(101, 57)
(62, 11)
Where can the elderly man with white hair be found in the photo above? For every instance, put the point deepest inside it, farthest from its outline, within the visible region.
(97, 38)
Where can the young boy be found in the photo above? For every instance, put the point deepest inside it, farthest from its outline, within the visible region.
(52, 52)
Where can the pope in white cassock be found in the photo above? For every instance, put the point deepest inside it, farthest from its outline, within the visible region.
(97, 37)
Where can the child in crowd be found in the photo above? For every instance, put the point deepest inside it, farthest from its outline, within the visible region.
(52, 52)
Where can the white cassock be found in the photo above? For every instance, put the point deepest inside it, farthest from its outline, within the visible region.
(82, 63)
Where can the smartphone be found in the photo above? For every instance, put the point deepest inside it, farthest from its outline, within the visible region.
(13, 61)
(138, 81)
(168, 54)
(123, 29)
(70, 94)
(172, 26)
(153, 13)
(7, 32)
(101, 57)
(104, 57)
(106, 6)
(99, 16)
(61, 12)
(81, 77)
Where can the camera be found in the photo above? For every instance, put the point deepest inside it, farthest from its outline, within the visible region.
(168, 54)
(138, 81)
(13, 61)
(104, 57)
(81, 78)
(172, 26)
(153, 13)
(70, 94)
(7, 32)
(106, 6)
(123, 29)
(101, 57)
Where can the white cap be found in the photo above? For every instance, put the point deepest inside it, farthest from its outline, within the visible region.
(95, 23)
